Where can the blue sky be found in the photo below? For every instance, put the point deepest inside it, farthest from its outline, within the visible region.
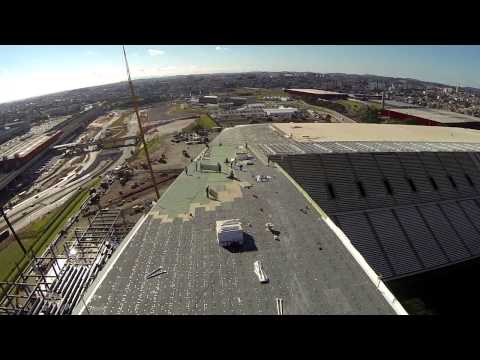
(27, 71)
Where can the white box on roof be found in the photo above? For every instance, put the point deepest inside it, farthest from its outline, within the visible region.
(229, 232)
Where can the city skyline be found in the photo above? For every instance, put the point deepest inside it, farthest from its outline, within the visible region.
(29, 71)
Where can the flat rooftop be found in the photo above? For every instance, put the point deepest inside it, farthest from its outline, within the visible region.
(22, 147)
(309, 267)
(314, 92)
(396, 104)
(440, 116)
(304, 132)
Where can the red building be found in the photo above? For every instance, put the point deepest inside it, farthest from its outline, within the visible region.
(316, 94)
(433, 117)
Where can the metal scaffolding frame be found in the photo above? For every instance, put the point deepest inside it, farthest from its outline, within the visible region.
(54, 283)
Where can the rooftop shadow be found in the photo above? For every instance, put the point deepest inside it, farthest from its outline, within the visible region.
(248, 245)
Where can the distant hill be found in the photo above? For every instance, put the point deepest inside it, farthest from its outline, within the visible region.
(253, 79)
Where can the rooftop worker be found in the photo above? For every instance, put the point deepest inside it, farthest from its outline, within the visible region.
(186, 170)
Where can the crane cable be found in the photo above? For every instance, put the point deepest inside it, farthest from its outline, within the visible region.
(142, 135)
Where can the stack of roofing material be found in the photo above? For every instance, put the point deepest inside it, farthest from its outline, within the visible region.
(208, 166)
(229, 232)
(242, 155)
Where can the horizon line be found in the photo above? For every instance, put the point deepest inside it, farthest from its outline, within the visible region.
(223, 72)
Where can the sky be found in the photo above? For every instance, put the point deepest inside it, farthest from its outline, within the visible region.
(27, 71)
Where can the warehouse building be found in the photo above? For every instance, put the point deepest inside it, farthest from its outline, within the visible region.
(208, 99)
(316, 94)
(432, 117)
(281, 113)
(237, 100)
(21, 153)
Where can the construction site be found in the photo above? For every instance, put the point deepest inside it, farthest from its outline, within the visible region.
(74, 207)
(130, 187)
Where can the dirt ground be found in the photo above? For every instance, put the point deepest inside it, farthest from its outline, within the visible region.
(98, 122)
(139, 189)
(169, 128)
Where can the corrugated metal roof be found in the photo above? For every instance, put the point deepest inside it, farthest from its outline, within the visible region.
(440, 116)
(315, 92)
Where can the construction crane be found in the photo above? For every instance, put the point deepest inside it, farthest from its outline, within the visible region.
(104, 144)
(142, 134)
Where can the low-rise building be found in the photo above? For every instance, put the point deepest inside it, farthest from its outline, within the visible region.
(281, 113)
(316, 94)
(208, 99)
(237, 100)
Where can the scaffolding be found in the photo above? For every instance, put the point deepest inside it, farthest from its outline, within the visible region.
(53, 284)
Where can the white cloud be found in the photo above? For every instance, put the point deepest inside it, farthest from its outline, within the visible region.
(4, 72)
(155, 52)
(40, 82)
(221, 48)
(36, 83)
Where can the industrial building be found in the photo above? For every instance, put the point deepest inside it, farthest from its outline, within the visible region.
(281, 113)
(208, 99)
(316, 94)
(63, 131)
(19, 155)
(237, 100)
(393, 104)
(432, 117)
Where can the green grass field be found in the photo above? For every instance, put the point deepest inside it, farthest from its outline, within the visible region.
(375, 106)
(353, 106)
(261, 93)
(121, 120)
(204, 122)
(152, 146)
(185, 109)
